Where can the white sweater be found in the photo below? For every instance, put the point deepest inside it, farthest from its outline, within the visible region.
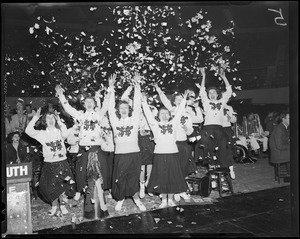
(89, 122)
(126, 130)
(164, 133)
(54, 149)
(214, 110)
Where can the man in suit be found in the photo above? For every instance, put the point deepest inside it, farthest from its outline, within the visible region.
(280, 141)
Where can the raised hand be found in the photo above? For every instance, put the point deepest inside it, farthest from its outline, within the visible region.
(185, 94)
(59, 90)
(222, 72)
(112, 80)
(136, 78)
(97, 94)
(38, 112)
(202, 71)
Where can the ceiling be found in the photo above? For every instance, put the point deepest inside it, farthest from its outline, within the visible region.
(262, 38)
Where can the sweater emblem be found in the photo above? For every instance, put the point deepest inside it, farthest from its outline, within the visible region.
(166, 129)
(124, 131)
(215, 106)
(57, 145)
(89, 124)
(183, 120)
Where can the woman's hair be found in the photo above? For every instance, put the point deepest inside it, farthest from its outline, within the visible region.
(216, 89)
(173, 97)
(11, 135)
(44, 123)
(118, 107)
(160, 109)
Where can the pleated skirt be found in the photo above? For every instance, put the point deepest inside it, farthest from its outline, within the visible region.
(126, 175)
(55, 179)
(186, 160)
(147, 149)
(166, 176)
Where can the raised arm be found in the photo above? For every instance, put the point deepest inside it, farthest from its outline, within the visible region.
(105, 104)
(63, 128)
(125, 95)
(148, 113)
(227, 94)
(164, 99)
(202, 93)
(112, 101)
(137, 97)
(65, 104)
(180, 109)
(30, 127)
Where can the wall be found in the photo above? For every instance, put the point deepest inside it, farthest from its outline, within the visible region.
(265, 96)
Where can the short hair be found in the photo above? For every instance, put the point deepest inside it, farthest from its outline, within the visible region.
(284, 114)
(216, 89)
(28, 105)
(160, 109)
(173, 97)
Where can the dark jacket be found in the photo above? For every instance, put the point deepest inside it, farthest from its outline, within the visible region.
(11, 154)
(280, 144)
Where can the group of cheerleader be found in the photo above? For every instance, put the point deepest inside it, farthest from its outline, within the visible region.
(127, 147)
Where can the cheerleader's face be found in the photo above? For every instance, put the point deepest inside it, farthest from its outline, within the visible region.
(124, 110)
(178, 99)
(164, 115)
(50, 120)
(89, 104)
(212, 94)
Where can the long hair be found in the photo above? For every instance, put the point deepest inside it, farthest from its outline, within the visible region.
(93, 167)
(118, 107)
(43, 122)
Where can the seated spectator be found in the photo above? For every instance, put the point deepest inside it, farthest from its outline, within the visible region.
(255, 132)
(280, 141)
(15, 151)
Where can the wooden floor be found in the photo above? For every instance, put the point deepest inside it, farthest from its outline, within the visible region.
(265, 213)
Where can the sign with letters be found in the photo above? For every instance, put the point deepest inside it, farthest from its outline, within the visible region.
(21, 172)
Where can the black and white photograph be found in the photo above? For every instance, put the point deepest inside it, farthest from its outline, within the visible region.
(150, 119)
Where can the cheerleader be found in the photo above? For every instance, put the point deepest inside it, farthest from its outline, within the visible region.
(230, 118)
(146, 145)
(56, 181)
(216, 149)
(167, 177)
(127, 162)
(89, 137)
(187, 162)
(108, 147)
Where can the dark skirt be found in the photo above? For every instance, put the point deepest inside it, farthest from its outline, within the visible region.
(81, 164)
(215, 146)
(147, 149)
(126, 175)
(109, 157)
(55, 179)
(186, 160)
(166, 176)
